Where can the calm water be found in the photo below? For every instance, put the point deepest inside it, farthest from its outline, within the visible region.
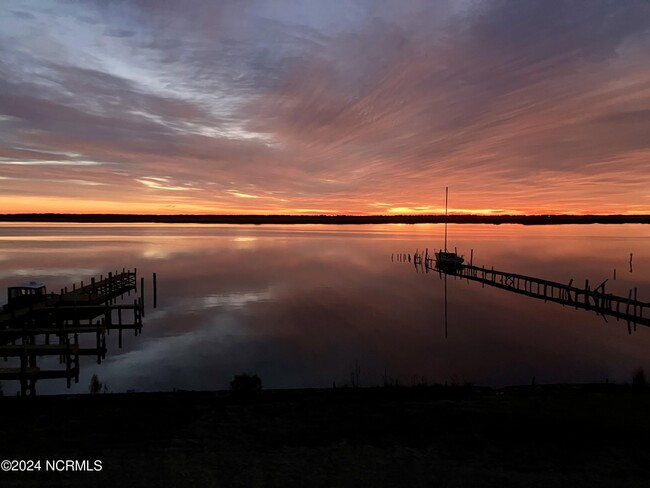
(303, 305)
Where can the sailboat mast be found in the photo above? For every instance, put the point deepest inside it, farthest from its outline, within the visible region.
(446, 201)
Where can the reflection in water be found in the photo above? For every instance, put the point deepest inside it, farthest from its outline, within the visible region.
(597, 299)
(298, 304)
(35, 323)
(29, 272)
(236, 300)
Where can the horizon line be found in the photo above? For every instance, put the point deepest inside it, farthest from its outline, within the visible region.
(390, 215)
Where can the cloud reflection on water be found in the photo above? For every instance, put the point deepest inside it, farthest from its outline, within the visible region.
(301, 304)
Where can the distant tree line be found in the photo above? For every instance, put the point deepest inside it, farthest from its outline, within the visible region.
(330, 219)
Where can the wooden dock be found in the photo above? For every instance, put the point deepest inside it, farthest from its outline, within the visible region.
(50, 326)
(628, 308)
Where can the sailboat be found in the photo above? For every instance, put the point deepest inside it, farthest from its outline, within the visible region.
(447, 260)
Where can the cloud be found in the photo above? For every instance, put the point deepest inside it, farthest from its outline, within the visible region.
(489, 106)
(22, 15)
(119, 33)
(162, 184)
(336, 106)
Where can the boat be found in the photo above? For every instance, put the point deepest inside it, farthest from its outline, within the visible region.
(25, 295)
(448, 260)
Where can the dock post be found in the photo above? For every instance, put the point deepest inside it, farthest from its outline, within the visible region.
(142, 295)
(635, 308)
(68, 374)
(627, 311)
(98, 342)
(155, 291)
(110, 286)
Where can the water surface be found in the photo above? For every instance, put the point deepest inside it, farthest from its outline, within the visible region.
(304, 305)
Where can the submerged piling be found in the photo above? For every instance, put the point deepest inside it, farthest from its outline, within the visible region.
(155, 291)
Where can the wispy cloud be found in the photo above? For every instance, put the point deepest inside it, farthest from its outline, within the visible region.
(162, 184)
(241, 195)
(45, 162)
(524, 106)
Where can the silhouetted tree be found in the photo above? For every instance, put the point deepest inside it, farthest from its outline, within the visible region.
(355, 373)
(95, 385)
(639, 380)
(246, 384)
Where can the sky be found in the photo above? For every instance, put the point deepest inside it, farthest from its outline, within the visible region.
(314, 107)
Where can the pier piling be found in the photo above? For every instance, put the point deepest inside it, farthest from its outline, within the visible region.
(76, 310)
(597, 299)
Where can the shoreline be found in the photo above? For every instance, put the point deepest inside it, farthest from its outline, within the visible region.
(558, 435)
(327, 219)
(440, 390)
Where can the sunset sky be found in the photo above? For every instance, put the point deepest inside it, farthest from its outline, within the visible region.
(334, 107)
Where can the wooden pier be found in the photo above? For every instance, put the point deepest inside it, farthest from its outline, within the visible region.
(50, 324)
(627, 308)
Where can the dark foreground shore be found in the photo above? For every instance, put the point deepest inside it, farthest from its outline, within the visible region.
(589, 435)
(329, 219)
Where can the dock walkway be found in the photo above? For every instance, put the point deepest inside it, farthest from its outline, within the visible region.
(627, 308)
(50, 326)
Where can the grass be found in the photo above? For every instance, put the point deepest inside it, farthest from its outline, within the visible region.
(454, 436)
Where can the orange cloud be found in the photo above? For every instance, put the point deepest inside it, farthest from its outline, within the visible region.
(518, 107)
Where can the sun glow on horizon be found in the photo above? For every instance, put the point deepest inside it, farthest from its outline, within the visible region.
(133, 113)
(71, 205)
